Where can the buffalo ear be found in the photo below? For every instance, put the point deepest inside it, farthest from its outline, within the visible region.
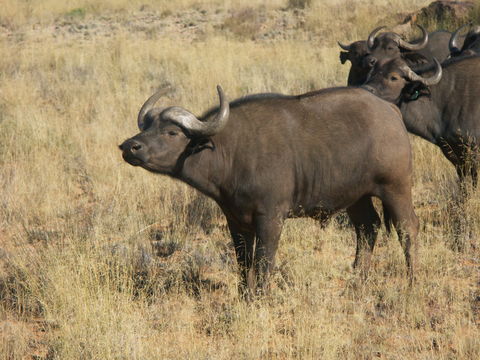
(414, 58)
(343, 57)
(414, 90)
(199, 144)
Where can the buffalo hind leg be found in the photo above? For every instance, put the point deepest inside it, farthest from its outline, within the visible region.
(366, 221)
(398, 203)
(243, 243)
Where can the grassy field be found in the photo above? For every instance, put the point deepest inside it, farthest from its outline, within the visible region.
(100, 260)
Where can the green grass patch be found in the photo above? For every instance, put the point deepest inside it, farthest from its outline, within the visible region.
(77, 13)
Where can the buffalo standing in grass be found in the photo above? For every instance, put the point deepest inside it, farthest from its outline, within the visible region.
(364, 53)
(267, 158)
(442, 107)
(471, 45)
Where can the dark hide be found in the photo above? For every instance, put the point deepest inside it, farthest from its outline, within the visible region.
(386, 48)
(446, 114)
(290, 156)
(437, 47)
(471, 45)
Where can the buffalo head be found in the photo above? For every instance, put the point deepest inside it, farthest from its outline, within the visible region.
(390, 45)
(364, 54)
(355, 53)
(394, 81)
(167, 133)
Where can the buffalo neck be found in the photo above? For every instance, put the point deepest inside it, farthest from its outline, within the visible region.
(421, 118)
(424, 117)
(357, 76)
(203, 169)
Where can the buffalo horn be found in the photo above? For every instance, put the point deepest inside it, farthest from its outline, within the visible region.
(149, 105)
(190, 122)
(415, 47)
(371, 37)
(453, 44)
(344, 47)
(433, 80)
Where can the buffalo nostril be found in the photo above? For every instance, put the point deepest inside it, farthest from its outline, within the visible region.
(136, 147)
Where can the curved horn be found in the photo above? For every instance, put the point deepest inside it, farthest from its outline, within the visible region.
(432, 80)
(475, 29)
(192, 124)
(371, 37)
(149, 105)
(344, 47)
(453, 44)
(414, 47)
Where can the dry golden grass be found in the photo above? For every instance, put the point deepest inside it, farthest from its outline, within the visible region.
(100, 260)
(23, 12)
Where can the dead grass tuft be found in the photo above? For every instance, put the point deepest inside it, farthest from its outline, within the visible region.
(100, 260)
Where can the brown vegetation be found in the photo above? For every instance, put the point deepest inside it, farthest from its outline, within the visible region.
(99, 260)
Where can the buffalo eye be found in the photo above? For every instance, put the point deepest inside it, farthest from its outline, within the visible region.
(393, 78)
(172, 133)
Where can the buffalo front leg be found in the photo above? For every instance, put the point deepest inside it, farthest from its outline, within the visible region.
(463, 154)
(268, 230)
(469, 160)
(366, 221)
(243, 243)
(467, 171)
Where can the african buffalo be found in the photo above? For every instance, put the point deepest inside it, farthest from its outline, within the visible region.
(356, 53)
(471, 44)
(266, 158)
(363, 54)
(442, 108)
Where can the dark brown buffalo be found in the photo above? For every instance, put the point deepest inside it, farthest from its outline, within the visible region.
(471, 45)
(267, 158)
(356, 53)
(389, 45)
(441, 106)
